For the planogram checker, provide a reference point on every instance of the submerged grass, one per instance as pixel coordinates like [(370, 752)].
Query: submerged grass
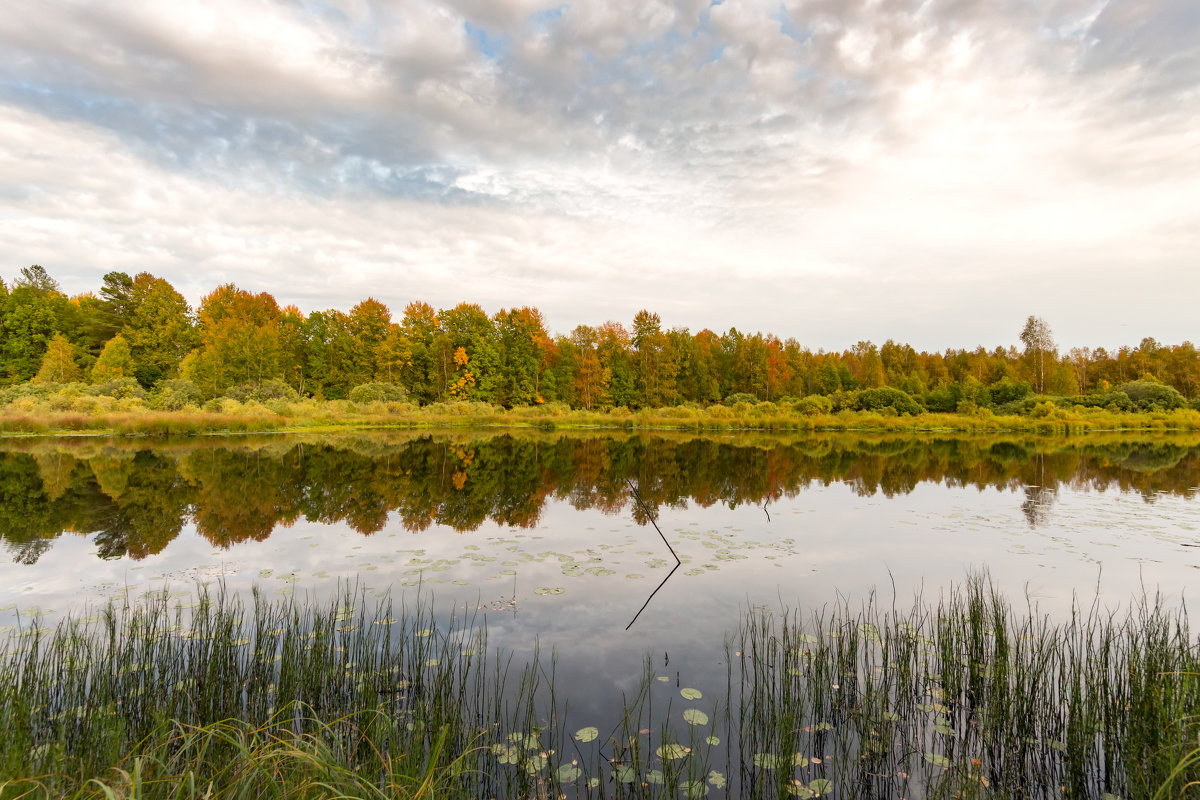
[(965, 697)]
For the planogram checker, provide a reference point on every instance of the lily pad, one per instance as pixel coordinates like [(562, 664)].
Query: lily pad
[(937, 759), (716, 779), (625, 774), (545, 590), (712, 740), (693, 789), (586, 734), (568, 773), (694, 716), (690, 694), (820, 786), (671, 752)]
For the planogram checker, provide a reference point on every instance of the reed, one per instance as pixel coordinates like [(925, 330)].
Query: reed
[(960, 697)]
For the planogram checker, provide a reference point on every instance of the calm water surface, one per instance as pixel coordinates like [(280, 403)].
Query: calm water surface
[(538, 533)]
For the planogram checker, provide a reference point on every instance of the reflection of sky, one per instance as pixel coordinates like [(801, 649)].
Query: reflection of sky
[(825, 543)]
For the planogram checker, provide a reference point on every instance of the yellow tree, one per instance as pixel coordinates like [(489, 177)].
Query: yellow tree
[(115, 361), (58, 365)]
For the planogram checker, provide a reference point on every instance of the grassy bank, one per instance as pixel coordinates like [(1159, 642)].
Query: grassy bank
[(963, 697), (133, 416)]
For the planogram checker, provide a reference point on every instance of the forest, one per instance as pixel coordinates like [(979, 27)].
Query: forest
[(138, 336)]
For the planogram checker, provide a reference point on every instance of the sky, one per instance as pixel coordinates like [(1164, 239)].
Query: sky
[(829, 170)]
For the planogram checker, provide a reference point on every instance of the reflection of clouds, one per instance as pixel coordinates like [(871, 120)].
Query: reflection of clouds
[(640, 149)]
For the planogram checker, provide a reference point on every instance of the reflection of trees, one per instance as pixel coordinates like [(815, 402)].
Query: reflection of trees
[(135, 502)]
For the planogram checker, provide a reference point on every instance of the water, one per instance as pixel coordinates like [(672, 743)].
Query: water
[(538, 533)]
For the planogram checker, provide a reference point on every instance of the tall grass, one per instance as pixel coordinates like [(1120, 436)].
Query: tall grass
[(963, 697)]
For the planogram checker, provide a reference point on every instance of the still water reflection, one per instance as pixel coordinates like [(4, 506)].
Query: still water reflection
[(132, 498)]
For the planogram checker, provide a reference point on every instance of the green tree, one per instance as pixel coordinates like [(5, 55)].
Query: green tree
[(159, 328)]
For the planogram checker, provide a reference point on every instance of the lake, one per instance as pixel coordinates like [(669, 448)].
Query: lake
[(549, 538)]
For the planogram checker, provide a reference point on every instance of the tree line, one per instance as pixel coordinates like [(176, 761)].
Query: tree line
[(141, 329)]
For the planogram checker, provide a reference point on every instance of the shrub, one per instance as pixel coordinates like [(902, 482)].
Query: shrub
[(765, 409), (1152, 396), (740, 397), (1006, 390), (813, 405), (887, 397), (377, 393), (118, 388), (174, 395), (261, 392)]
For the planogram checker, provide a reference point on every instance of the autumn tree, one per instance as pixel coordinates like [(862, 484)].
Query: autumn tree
[(58, 364), (115, 361), (240, 340)]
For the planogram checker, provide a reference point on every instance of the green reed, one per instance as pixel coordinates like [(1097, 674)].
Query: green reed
[(968, 698), (964, 697)]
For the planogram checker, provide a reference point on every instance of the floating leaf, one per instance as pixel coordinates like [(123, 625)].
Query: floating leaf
[(625, 774), (535, 763), (713, 740), (800, 760), (568, 773), (670, 752), (937, 760), (807, 638), (693, 789), (798, 789), (593, 783), (654, 776), (823, 726), (690, 694), (694, 716), (586, 734), (943, 729), (821, 786), (716, 779), (766, 760), (545, 590)]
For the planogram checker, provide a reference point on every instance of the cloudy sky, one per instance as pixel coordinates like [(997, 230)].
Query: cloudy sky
[(831, 170)]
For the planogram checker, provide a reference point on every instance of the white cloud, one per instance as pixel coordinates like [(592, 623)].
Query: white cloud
[(826, 169)]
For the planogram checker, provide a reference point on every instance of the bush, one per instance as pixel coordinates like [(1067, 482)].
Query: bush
[(1006, 391), (174, 395), (764, 409), (942, 400), (813, 405), (261, 392), (739, 397), (887, 397), (377, 393), (118, 388), (1152, 396)]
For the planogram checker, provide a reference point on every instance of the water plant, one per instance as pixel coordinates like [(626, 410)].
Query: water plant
[(960, 697)]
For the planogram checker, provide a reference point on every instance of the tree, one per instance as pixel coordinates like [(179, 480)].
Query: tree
[(115, 361), (1038, 340), (58, 365), (240, 337), (159, 328), (36, 277)]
